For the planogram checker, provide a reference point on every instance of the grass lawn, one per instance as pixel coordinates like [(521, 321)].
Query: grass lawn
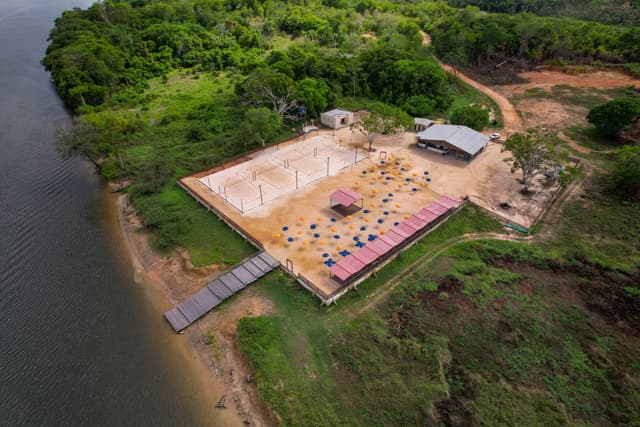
[(490, 332), (466, 95), (172, 212), (177, 126)]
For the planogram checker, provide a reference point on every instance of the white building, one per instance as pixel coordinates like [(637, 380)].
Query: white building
[(337, 118)]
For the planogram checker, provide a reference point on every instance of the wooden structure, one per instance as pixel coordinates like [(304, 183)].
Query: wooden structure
[(212, 295)]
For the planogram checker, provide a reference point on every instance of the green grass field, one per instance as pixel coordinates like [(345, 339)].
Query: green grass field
[(489, 332)]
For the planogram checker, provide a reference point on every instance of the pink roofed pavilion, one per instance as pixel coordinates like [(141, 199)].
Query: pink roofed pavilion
[(346, 201)]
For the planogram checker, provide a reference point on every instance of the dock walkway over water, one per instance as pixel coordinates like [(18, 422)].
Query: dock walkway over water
[(212, 295)]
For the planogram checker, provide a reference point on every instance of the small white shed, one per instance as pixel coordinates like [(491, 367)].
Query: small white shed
[(337, 118)]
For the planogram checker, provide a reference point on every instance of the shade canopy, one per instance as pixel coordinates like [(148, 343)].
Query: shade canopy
[(345, 197)]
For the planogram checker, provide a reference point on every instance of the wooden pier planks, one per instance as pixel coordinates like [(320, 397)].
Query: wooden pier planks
[(212, 295)]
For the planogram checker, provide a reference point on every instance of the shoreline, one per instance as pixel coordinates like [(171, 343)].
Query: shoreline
[(212, 340)]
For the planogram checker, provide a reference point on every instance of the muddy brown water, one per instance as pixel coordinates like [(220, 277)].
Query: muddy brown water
[(81, 343)]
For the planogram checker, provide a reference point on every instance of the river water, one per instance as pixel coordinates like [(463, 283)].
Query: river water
[(80, 342)]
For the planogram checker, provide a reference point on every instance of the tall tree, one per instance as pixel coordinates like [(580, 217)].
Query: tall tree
[(475, 117), (531, 153), (270, 89), (260, 125), (612, 117), (382, 119)]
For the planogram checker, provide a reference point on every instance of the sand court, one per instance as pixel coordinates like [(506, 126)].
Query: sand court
[(277, 171), (279, 198)]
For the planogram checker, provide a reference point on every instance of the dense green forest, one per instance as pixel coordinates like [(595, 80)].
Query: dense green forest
[(160, 85), (474, 333), (623, 12), (115, 47)]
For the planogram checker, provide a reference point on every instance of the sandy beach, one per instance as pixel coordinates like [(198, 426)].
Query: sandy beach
[(211, 342)]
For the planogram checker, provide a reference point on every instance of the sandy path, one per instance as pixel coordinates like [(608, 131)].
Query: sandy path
[(379, 294), (510, 116)]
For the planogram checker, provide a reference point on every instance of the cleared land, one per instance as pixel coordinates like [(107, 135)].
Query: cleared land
[(296, 227)]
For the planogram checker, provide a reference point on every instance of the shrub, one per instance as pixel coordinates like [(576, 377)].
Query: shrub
[(474, 117)]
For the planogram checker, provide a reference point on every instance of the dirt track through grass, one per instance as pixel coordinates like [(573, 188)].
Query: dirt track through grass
[(380, 293)]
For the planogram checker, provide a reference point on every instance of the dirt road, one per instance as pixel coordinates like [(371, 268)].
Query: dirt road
[(512, 121)]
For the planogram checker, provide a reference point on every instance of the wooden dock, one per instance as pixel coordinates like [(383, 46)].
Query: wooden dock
[(212, 295)]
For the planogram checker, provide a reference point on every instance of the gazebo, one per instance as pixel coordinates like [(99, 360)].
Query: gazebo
[(345, 201)]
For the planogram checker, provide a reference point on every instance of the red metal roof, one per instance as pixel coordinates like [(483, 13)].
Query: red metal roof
[(395, 236), (388, 240), (405, 230), (339, 272), (437, 208), (426, 215), (449, 202), (346, 196), (416, 222), (366, 255), (351, 264), (379, 246)]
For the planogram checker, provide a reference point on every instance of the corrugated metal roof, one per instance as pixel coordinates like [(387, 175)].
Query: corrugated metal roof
[(426, 215), (423, 122), (379, 246), (461, 137), (366, 255), (449, 202), (339, 272)]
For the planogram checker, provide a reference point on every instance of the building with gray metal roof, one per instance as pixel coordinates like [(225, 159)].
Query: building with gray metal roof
[(459, 140), (421, 124)]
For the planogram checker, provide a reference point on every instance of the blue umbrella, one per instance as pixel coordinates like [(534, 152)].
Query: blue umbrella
[(285, 228), (356, 238), (385, 213), (290, 239), (380, 220), (316, 235), (313, 226), (372, 237), (395, 224), (414, 189), (336, 236), (366, 211), (363, 228), (325, 255), (359, 244), (428, 179), (390, 194), (332, 219)]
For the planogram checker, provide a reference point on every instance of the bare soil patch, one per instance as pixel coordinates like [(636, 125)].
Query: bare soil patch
[(544, 110), (178, 279)]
